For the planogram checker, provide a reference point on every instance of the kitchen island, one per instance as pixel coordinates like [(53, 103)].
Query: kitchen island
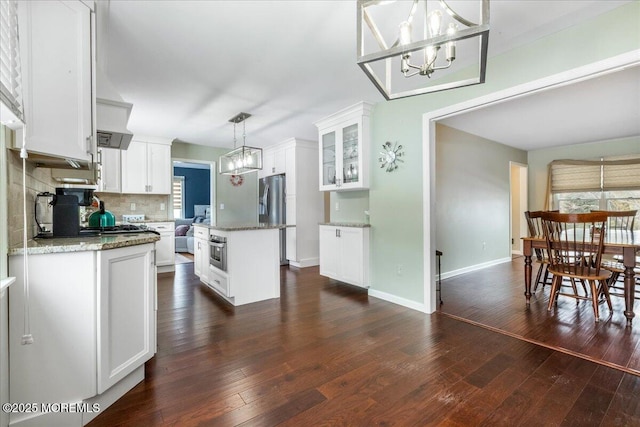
[(91, 314), (251, 268)]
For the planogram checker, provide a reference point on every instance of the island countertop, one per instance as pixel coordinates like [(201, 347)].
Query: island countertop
[(85, 243)]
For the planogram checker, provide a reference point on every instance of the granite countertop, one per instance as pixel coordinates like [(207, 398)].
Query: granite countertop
[(79, 244), (347, 224), (244, 227)]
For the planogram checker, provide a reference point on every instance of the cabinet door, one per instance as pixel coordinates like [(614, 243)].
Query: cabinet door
[(165, 248), (328, 174), (57, 73), (197, 257), (206, 251), (329, 253), (351, 255), (159, 168), (126, 320), (110, 171), (134, 168), (350, 155)]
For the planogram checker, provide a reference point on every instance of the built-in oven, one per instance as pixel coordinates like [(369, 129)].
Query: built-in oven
[(218, 252)]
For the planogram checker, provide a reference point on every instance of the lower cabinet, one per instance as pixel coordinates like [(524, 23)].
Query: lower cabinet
[(344, 254), (126, 313), (166, 246), (93, 321), (201, 253)]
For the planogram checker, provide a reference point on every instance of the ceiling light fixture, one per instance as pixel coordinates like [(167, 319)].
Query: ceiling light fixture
[(423, 48), (243, 159)]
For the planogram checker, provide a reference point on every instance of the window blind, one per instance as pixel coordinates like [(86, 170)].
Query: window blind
[(10, 74), (569, 176), (178, 195)]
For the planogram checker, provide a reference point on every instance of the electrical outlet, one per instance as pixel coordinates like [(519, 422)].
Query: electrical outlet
[(133, 218), (221, 206), (337, 206), (133, 206), (399, 270), (161, 206), (484, 246)]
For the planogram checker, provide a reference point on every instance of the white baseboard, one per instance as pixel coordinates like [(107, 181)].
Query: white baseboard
[(166, 268), (308, 262), (472, 268), (397, 300), (515, 252)]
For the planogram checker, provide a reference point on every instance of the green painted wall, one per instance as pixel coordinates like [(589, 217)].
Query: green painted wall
[(395, 199), (240, 202), (473, 198), (351, 204)]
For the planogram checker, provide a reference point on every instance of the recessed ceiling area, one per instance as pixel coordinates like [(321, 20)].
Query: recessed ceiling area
[(601, 108)]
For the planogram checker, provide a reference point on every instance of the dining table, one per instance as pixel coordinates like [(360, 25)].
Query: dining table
[(625, 244)]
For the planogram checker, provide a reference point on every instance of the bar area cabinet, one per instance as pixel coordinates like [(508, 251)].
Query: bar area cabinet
[(344, 140)]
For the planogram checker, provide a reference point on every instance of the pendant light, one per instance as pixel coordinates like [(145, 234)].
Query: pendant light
[(243, 159)]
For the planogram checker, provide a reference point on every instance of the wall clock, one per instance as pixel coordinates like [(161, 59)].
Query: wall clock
[(390, 156), (236, 180)]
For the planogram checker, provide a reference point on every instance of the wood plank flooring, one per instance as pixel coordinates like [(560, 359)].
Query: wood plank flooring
[(326, 354), (494, 297)]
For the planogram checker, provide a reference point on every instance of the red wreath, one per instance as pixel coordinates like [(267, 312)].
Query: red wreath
[(236, 180)]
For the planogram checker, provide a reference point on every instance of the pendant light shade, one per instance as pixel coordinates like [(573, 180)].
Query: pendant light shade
[(243, 159)]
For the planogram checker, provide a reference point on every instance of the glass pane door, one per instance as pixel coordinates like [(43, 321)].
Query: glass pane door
[(329, 158), (350, 154)]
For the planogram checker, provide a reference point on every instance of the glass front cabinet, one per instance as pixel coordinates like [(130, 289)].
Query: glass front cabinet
[(344, 149)]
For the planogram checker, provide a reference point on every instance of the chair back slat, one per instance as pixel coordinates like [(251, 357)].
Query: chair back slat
[(620, 220), (575, 241)]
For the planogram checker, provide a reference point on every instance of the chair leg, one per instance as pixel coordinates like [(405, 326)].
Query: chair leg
[(535, 288), (604, 288), (575, 288), (594, 299), (553, 295), (545, 279)]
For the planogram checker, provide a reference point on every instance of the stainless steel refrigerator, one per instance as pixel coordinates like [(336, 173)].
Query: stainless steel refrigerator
[(272, 207)]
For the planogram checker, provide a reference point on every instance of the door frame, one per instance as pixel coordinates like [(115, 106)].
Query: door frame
[(523, 193), (212, 182)]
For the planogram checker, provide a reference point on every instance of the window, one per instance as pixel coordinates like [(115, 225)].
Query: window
[(178, 196), (606, 184), (10, 75)]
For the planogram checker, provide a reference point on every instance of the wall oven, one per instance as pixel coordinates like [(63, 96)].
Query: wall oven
[(218, 252)]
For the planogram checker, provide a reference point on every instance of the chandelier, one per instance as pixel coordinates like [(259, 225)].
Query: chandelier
[(407, 48), (243, 159)]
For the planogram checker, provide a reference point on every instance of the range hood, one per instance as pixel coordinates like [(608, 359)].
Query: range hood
[(111, 123)]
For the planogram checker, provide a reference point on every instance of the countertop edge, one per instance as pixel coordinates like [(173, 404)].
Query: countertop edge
[(244, 227), (346, 224), (55, 246)]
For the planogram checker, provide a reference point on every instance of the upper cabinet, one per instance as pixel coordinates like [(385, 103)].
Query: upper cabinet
[(56, 47), (273, 161), (110, 181), (344, 139), (146, 166)]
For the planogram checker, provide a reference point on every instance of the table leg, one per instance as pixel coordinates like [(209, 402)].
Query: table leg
[(629, 261), (527, 270)]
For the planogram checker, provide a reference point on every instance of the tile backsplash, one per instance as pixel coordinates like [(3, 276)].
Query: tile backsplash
[(149, 205), (39, 180)]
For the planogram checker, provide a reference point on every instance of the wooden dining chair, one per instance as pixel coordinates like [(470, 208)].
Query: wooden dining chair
[(617, 222), (575, 242), (534, 224)]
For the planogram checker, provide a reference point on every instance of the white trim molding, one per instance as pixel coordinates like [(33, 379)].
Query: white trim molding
[(398, 300)]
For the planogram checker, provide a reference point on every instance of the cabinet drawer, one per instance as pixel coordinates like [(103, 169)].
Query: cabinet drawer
[(219, 282), (201, 232)]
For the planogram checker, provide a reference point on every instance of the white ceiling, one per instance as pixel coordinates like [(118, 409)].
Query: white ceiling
[(189, 66)]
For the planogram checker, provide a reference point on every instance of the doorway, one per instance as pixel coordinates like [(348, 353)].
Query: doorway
[(519, 195), (194, 191)]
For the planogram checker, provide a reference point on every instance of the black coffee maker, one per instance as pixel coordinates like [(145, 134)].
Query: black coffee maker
[(66, 216)]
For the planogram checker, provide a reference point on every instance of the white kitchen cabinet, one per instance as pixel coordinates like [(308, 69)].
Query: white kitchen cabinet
[(166, 246), (273, 161), (201, 252), (126, 314), (56, 39), (344, 140), (92, 319), (110, 174), (146, 167), (344, 254)]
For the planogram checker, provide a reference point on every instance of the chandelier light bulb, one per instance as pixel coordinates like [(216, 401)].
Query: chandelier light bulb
[(431, 52), (450, 47), (405, 33), (435, 21)]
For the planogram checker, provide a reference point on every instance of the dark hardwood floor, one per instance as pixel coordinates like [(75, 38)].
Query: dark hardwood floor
[(494, 297), (326, 354)]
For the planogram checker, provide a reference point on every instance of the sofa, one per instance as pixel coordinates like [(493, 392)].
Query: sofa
[(184, 232)]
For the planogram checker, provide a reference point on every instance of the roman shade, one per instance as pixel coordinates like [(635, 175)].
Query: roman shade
[(10, 75), (566, 176)]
